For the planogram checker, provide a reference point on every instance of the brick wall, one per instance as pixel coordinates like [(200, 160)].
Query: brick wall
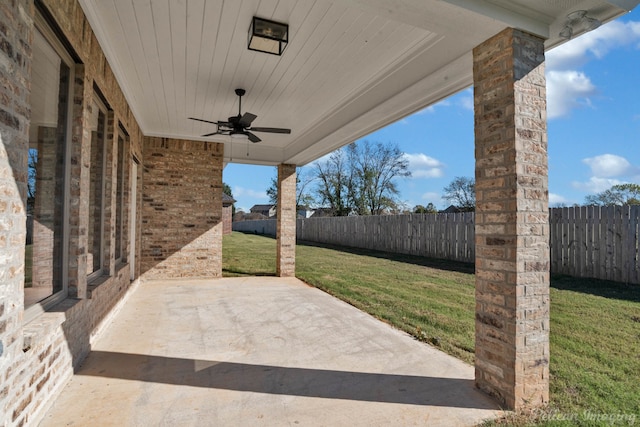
[(15, 69), (37, 357), (182, 209)]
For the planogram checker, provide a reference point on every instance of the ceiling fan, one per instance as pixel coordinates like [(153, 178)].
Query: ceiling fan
[(240, 126)]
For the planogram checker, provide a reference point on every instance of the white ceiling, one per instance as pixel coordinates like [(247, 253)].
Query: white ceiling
[(351, 66)]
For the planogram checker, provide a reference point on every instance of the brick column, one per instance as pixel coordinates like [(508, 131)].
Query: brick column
[(512, 227), (286, 232)]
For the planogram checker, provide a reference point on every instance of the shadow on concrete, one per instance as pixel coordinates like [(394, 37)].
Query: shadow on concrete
[(329, 384), (440, 264), (601, 288), (238, 272)]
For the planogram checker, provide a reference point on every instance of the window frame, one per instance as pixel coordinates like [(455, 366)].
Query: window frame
[(122, 165), (102, 107), (54, 41)]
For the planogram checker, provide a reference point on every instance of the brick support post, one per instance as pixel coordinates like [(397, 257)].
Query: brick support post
[(512, 227), (286, 232)]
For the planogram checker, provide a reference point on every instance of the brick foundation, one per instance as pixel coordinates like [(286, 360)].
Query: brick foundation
[(286, 221), (512, 231)]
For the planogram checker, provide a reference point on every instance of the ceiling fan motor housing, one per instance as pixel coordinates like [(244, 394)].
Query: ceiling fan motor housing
[(240, 125)]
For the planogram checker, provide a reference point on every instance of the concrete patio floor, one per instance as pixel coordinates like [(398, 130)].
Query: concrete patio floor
[(261, 351)]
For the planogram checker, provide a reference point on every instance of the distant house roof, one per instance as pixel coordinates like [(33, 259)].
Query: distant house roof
[(261, 208), (451, 209), (320, 212), (227, 199)]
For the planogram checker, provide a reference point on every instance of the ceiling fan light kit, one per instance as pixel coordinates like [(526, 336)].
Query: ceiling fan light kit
[(268, 36), (238, 135), (239, 127)]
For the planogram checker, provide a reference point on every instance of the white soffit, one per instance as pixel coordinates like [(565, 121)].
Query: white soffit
[(351, 66)]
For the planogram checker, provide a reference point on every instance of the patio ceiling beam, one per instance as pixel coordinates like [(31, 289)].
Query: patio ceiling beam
[(468, 15)]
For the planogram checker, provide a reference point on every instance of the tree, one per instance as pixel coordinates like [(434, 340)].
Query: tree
[(461, 193), (430, 208), (303, 180), (335, 183), (226, 189), (360, 178), (620, 194), (376, 166)]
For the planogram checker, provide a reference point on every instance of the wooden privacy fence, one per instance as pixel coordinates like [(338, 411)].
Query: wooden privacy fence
[(596, 241), (590, 241), (446, 236)]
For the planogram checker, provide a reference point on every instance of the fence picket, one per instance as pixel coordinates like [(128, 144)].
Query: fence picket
[(581, 240), (601, 242), (617, 243), (589, 259)]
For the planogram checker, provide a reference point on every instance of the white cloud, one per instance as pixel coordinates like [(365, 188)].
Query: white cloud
[(427, 110), (423, 166), (556, 199), (596, 184), (596, 43), (567, 90), (432, 108), (609, 165), (247, 192), (607, 170), (466, 102)]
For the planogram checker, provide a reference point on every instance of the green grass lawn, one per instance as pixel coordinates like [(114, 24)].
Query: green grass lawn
[(595, 325)]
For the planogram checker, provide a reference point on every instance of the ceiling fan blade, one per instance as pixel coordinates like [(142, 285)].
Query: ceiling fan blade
[(252, 137), (270, 130), (212, 133), (203, 120), (246, 119)]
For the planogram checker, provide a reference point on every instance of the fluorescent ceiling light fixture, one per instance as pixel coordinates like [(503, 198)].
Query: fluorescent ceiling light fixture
[(268, 36)]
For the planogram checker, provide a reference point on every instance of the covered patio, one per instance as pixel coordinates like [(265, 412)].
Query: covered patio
[(262, 351), (117, 118)]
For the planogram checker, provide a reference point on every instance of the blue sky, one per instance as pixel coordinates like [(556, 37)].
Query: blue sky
[(593, 107)]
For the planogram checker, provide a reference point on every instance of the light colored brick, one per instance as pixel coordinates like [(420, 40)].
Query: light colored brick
[(286, 221), (512, 283), (182, 218)]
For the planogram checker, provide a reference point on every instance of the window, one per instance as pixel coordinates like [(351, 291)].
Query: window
[(95, 243), (120, 201), (47, 189)]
